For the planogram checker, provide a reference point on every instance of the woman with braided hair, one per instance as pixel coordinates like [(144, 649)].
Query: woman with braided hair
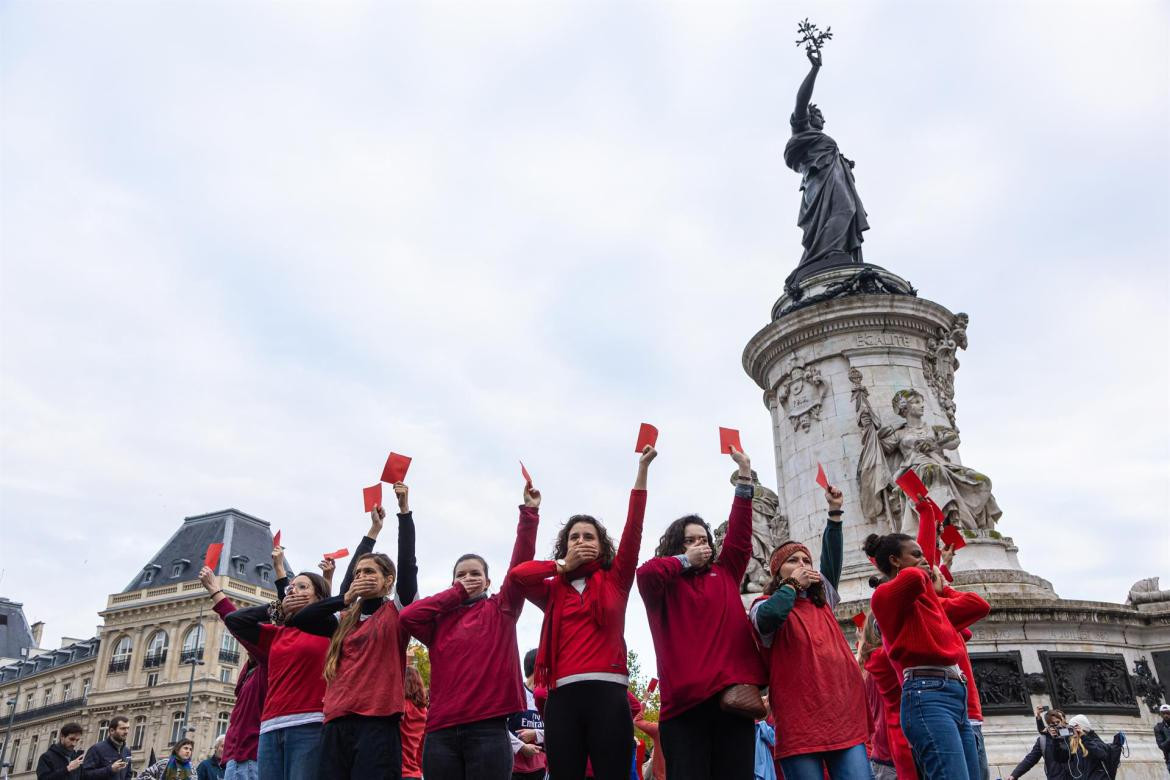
[(815, 684)]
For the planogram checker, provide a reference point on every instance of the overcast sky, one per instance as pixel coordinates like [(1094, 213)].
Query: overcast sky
[(249, 248)]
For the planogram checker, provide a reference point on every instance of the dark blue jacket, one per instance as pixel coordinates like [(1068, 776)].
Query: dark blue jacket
[(99, 759)]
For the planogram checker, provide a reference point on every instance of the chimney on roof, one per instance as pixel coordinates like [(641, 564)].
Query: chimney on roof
[(37, 629)]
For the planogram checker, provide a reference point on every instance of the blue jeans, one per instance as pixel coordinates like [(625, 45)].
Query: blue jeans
[(469, 751), (848, 764), (934, 720), (242, 770), (984, 766), (291, 753)]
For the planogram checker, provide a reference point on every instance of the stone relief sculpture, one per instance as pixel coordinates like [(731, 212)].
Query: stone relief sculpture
[(769, 529), (963, 494), (801, 392), (940, 363)]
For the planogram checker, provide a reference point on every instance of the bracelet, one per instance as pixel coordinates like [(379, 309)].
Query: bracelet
[(836, 512), (743, 479), (790, 582), (214, 592)]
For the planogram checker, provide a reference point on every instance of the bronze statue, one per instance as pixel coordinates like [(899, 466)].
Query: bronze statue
[(831, 214)]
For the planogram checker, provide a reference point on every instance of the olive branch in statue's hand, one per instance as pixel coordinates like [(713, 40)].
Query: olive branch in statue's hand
[(813, 40)]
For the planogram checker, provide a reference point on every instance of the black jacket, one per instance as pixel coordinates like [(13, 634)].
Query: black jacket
[(1162, 736), (53, 763), (1054, 751), (100, 757)]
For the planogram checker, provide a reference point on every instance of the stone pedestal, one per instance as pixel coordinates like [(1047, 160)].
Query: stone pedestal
[(862, 332)]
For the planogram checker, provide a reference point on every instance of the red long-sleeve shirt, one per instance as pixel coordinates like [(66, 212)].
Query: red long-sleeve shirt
[(582, 646), (889, 685), (242, 739), (702, 636), (915, 627), (475, 666), (963, 610), (369, 671)]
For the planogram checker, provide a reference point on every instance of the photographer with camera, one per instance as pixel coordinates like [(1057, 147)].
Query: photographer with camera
[(1052, 746)]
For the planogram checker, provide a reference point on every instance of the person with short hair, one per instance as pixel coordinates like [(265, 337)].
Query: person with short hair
[(211, 768), (62, 761), (177, 766), (110, 758), (1050, 746), (1162, 733)]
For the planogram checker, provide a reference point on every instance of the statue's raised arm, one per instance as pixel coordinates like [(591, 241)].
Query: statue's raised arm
[(804, 94)]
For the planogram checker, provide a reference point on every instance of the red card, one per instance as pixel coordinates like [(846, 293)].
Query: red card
[(342, 553), (276, 540), (647, 435), (372, 496), (396, 466), (859, 620), (727, 438), (211, 559), (524, 473), (822, 480), (911, 485), (653, 686), (952, 538)]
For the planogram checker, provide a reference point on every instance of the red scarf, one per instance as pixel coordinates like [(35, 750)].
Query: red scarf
[(559, 589)]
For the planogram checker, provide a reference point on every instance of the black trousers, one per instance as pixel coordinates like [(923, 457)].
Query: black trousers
[(469, 751), (589, 721), (706, 743), (362, 748)]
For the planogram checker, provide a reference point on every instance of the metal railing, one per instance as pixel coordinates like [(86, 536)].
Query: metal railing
[(155, 659), (194, 654), (50, 709), (229, 656), (119, 665)]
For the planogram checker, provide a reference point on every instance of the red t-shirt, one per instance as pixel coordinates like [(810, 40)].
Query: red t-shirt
[(414, 722), (369, 671), (296, 661)]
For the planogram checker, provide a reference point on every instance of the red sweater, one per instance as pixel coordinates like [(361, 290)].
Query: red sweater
[(963, 610), (242, 739), (702, 636), (915, 628), (295, 663), (369, 671), (475, 666), (414, 720), (582, 646), (889, 686)]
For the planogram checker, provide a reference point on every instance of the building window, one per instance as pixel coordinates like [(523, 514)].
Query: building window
[(103, 730), (192, 644), (265, 576), (176, 727), (120, 660), (240, 570), (229, 649), (147, 576), (53, 736), (225, 674), (45, 702), (32, 752), (221, 724), (66, 689), (177, 570), (15, 752), (139, 733), (152, 679), (85, 687), (156, 650), (28, 701)]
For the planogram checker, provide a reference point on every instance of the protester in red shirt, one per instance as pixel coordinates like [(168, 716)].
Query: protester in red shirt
[(924, 644), (414, 721), (475, 666), (703, 641), (815, 685), (582, 653)]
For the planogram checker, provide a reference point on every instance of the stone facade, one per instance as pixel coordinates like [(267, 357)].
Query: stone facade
[(139, 665)]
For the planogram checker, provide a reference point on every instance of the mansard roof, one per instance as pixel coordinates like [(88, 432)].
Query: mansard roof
[(50, 659), (247, 549), (16, 637)]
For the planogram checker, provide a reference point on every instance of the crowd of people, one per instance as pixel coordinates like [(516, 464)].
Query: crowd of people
[(327, 690)]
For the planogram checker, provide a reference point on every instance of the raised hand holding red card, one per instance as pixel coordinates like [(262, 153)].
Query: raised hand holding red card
[(647, 437), (276, 540), (372, 496), (211, 559), (524, 473), (396, 467), (822, 478), (912, 486), (952, 538), (728, 438)]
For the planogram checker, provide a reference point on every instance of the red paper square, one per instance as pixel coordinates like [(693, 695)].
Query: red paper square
[(727, 438), (276, 540), (372, 496), (953, 538), (653, 686), (822, 479), (524, 473), (211, 559), (396, 466), (859, 620), (911, 485), (343, 552), (647, 435)]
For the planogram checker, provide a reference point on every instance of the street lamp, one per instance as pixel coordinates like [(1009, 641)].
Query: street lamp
[(191, 682), (4, 767)]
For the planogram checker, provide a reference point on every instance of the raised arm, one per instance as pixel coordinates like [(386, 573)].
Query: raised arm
[(318, 618), (833, 539), (524, 548), (420, 617), (365, 546), (626, 561), (278, 568), (244, 624), (737, 546), (531, 579), (929, 516), (406, 585), (804, 94)]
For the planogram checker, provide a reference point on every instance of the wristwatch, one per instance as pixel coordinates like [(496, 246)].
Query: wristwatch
[(561, 565)]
